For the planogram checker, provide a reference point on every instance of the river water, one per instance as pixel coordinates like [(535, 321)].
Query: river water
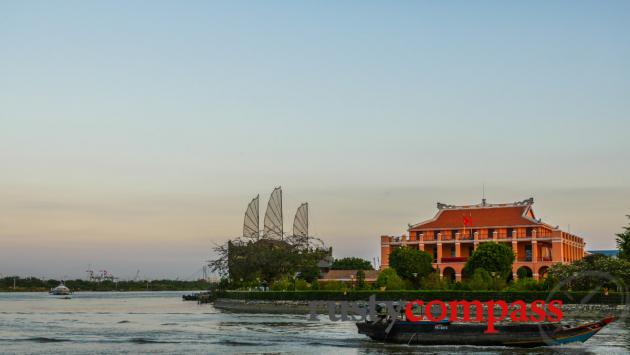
[(160, 322)]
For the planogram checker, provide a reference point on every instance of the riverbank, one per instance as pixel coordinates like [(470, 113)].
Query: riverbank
[(38, 290), (31, 284)]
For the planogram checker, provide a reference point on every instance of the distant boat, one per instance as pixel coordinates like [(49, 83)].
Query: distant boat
[(61, 290)]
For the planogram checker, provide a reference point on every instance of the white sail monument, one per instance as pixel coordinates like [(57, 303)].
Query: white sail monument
[(273, 225)]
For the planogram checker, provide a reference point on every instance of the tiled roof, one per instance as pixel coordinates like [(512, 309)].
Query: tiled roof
[(348, 275), (480, 216)]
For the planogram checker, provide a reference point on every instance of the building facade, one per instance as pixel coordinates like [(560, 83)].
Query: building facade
[(456, 231)]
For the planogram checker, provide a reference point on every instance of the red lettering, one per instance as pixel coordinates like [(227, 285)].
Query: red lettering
[(517, 311), (538, 309), (409, 310), (429, 314), (555, 310), (520, 313), (491, 319), (466, 308)]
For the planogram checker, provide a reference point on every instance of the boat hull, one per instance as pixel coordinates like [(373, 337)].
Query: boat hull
[(517, 335)]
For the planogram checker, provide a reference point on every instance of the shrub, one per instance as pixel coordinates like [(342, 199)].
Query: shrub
[(389, 279), (527, 284), (360, 277), (433, 281), (522, 273), (281, 285), (480, 280), (483, 280), (301, 285), (332, 286)]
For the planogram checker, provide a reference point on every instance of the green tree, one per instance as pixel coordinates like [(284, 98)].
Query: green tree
[(360, 277), (623, 242), (389, 279), (411, 264), (247, 261), (309, 272), (494, 258), (351, 263), (581, 275)]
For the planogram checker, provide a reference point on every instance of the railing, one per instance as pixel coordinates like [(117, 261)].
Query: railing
[(529, 260), (455, 259)]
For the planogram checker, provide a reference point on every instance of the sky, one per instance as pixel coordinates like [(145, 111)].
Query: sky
[(133, 134)]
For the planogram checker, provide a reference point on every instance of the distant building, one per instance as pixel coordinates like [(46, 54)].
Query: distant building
[(456, 231), (325, 263), (613, 253)]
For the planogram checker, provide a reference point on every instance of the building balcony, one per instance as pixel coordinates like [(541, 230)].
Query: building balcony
[(529, 260), (455, 259)]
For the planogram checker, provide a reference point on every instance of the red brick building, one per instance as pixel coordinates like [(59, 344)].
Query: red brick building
[(456, 231)]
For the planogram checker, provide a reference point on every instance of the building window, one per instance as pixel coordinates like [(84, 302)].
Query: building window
[(490, 233), (509, 232), (528, 232), (528, 252)]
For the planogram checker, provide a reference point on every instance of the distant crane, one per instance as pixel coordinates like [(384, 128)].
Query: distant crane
[(105, 275), (90, 273), (137, 277)]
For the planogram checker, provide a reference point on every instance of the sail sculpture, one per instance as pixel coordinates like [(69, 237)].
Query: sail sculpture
[(273, 225), (300, 223), (251, 228)]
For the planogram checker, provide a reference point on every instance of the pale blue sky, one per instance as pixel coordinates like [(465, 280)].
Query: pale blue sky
[(133, 134)]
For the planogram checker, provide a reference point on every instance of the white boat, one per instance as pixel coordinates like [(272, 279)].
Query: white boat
[(61, 290)]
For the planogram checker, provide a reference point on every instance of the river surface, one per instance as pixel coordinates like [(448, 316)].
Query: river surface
[(160, 322)]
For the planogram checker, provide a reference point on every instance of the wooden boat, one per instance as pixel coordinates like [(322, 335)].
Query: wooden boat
[(447, 333)]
